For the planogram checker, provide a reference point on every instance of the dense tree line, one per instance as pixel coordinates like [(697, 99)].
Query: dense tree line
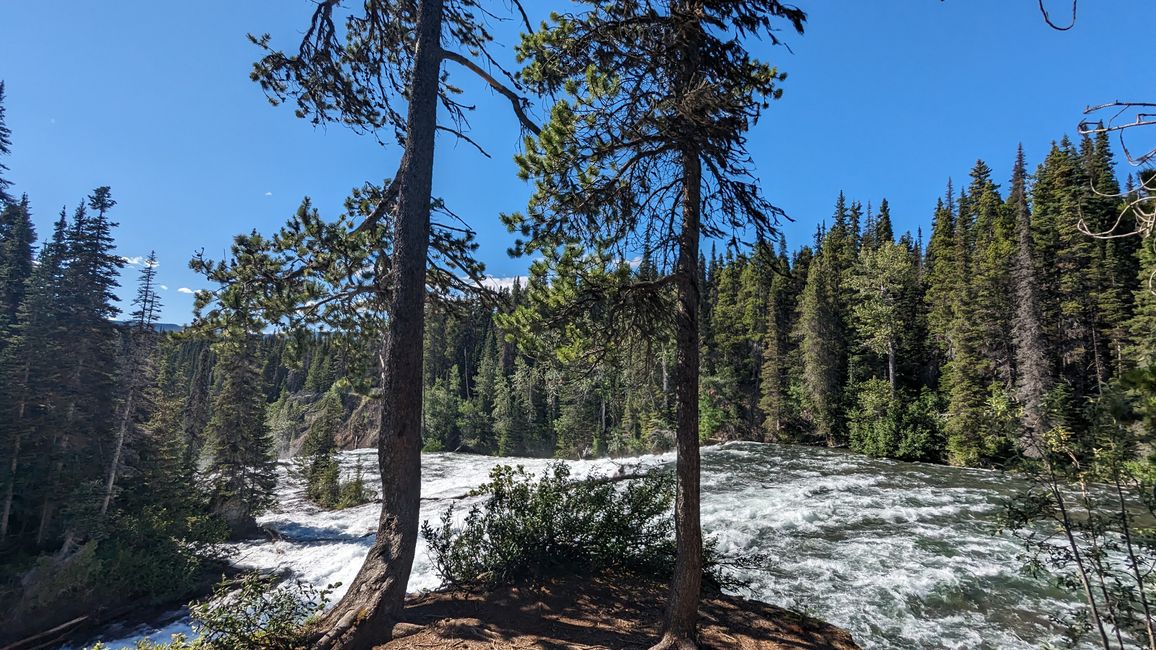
[(120, 466), (1008, 320)]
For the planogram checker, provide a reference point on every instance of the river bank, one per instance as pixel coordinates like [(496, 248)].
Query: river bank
[(599, 613)]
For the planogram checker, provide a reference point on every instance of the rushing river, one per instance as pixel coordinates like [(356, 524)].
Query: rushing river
[(903, 555)]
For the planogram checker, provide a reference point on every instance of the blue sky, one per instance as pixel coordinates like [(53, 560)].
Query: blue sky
[(884, 99)]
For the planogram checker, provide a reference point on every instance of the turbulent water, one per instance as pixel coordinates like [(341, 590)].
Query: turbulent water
[(903, 555)]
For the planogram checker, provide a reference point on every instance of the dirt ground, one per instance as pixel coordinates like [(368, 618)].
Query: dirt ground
[(600, 613)]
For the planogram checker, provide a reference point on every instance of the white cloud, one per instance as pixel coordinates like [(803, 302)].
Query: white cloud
[(138, 260), (185, 290), (268, 194), (164, 287), (503, 283)]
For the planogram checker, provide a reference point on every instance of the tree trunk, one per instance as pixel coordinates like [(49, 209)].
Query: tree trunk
[(682, 610), (17, 440), (121, 433), (362, 618), (891, 365), (685, 585)]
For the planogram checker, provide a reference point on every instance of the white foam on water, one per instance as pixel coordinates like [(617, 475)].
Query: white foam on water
[(903, 555)]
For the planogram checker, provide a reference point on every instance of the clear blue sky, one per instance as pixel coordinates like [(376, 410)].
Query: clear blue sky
[(885, 98)]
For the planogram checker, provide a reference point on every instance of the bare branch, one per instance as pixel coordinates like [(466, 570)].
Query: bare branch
[(516, 101), (1053, 25)]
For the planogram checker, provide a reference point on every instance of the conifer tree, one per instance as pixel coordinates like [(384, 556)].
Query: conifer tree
[(1142, 348), (1034, 375), (375, 67), (241, 469), (607, 170), (989, 309), (1066, 259), (822, 348), (883, 229), (17, 238), (137, 370), (944, 279), (89, 379), (5, 150), (317, 459), (883, 284), (773, 384), (31, 369)]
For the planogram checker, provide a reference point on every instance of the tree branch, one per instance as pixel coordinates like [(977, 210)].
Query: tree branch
[(516, 101)]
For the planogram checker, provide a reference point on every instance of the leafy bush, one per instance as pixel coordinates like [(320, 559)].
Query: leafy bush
[(530, 528), (355, 492), (894, 426), (253, 612)]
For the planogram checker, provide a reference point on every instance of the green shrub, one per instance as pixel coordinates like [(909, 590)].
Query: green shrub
[(355, 492), (529, 528), (894, 426)]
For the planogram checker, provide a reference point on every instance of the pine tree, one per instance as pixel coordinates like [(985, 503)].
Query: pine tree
[(5, 149), (773, 401), (241, 469), (822, 347), (32, 367), (348, 70), (137, 371), (701, 75), (17, 238), (1034, 375)]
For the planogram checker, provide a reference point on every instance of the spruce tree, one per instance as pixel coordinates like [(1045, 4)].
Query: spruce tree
[(241, 471), (5, 150), (137, 372), (32, 367), (773, 383), (89, 378), (1034, 375), (17, 238), (317, 458), (819, 331), (1142, 324), (944, 280)]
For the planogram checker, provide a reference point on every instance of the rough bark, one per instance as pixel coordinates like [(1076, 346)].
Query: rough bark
[(682, 610), (362, 618), (686, 584), (891, 378), (1033, 377)]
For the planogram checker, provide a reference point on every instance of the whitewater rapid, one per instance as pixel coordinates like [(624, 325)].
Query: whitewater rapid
[(902, 555)]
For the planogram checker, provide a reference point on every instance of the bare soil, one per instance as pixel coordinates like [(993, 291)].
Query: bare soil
[(598, 613)]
